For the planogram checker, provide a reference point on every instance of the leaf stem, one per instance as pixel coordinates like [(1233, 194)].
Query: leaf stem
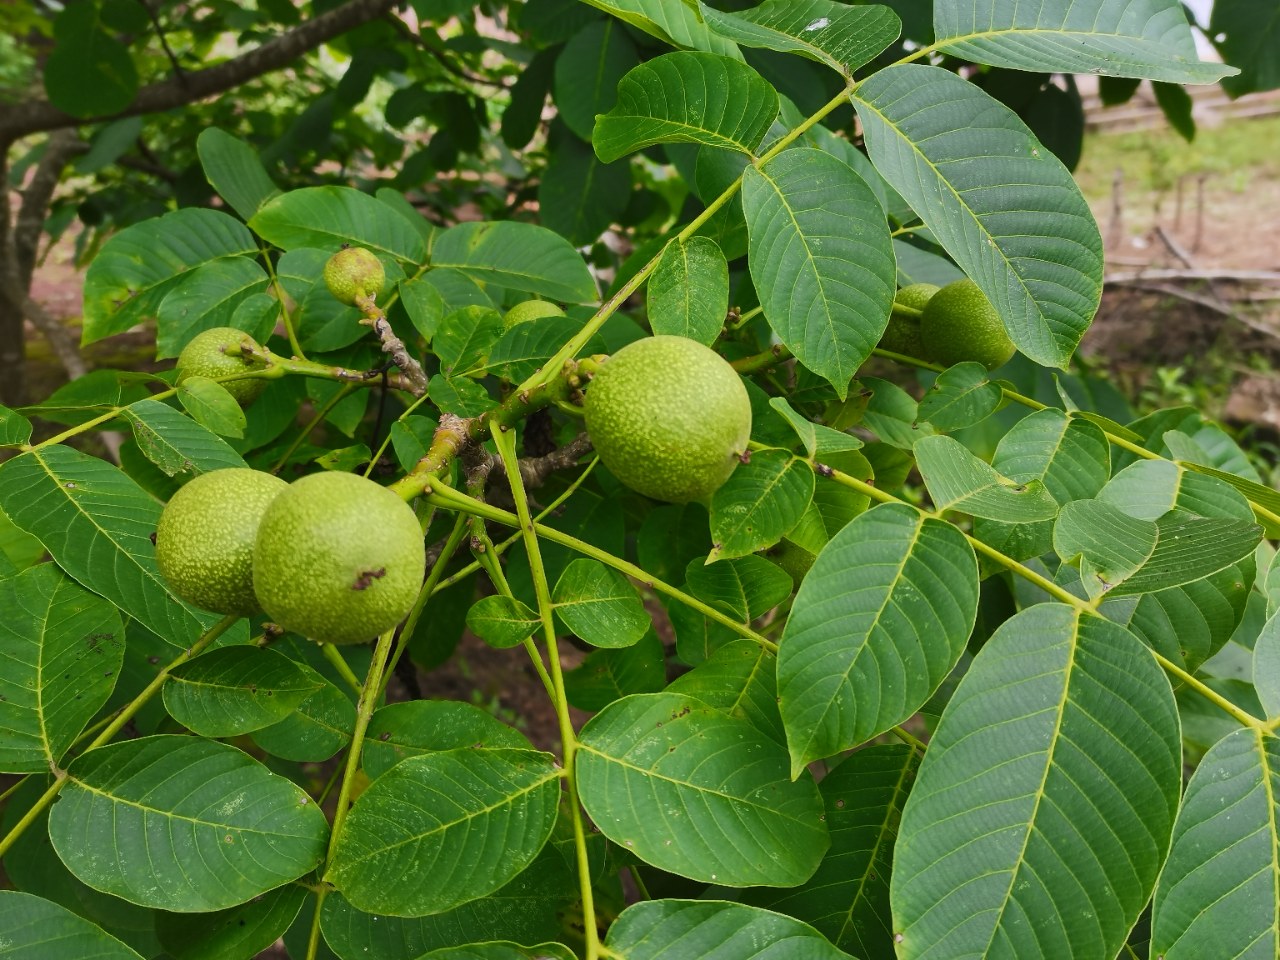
[(455, 500), (487, 557), (424, 594), (340, 664), (502, 546), (610, 306), (505, 440), (283, 299), (909, 739), (368, 700), (116, 725), (338, 396)]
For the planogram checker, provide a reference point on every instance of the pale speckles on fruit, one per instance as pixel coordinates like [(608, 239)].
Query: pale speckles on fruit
[(216, 353), (338, 558), (960, 324), (669, 417), (902, 335), (205, 537), (354, 272)]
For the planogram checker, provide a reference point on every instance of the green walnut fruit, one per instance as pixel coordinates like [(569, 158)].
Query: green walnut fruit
[(354, 272), (216, 353), (902, 335), (205, 538), (530, 310), (338, 558), (669, 417), (960, 324)]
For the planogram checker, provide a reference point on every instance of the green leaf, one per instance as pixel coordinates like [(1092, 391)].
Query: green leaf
[(1188, 624), (1217, 894), (464, 338), (522, 349), (401, 730), (1056, 768), (1069, 455), (500, 950), (1148, 39), (688, 294), (579, 197), (238, 933), (1149, 489), (424, 305), (97, 525), (526, 910), (35, 929), (847, 900), (687, 98), (749, 587), (1189, 548), (713, 930), (609, 675), (330, 216), (88, 73), (218, 828), (844, 38), (957, 480), (236, 690), (1247, 34), (137, 268), (502, 622), (960, 397), (517, 256), (740, 679), (451, 826), (1005, 208), (1255, 492), (877, 625), (1175, 104), (177, 444), (671, 537), (821, 260), (523, 115), (759, 504), (458, 395), (206, 297), (315, 731), (679, 24), (15, 429), (1108, 546), (587, 73), (1266, 666), (599, 605), (234, 169), (893, 414), (61, 648), (212, 406), (695, 792)]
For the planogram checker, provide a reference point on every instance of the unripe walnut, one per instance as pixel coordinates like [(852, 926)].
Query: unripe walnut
[(352, 273)]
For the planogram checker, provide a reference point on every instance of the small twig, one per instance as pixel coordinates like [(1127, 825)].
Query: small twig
[(179, 74), (1208, 273), (393, 346), (418, 40), (534, 471)]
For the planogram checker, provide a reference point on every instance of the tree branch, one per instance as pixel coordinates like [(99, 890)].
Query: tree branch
[(60, 148), (33, 116)]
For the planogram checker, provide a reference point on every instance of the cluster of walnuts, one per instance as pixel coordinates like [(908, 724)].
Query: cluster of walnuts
[(339, 558)]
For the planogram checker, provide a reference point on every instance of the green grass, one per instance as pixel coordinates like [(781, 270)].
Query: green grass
[(1236, 153)]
